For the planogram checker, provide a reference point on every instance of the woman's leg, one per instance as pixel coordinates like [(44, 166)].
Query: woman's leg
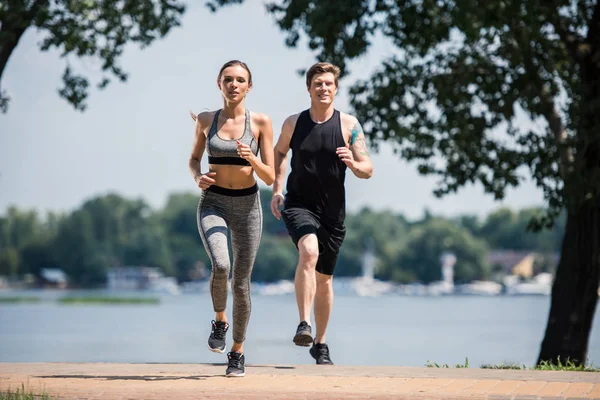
[(213, 228), (246, 231)]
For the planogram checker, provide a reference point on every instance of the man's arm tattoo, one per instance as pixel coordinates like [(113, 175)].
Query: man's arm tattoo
[(361, 146), (356, 130), (358, 139)]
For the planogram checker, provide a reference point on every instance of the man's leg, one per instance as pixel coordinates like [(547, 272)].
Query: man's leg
[(303, 227), (332, 240), (305, 284), (323, 304)]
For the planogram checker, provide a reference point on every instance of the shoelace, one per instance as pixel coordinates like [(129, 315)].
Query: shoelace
[(302, 327), (322, 351), (219, 329), (235, 359)]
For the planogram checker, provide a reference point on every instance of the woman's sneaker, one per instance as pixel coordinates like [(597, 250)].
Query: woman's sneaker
[(236, 364), (216, 340)]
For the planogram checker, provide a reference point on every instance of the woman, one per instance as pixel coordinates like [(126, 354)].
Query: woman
[(230, 201)]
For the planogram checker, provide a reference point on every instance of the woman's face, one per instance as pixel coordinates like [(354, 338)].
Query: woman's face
[(234, 83)]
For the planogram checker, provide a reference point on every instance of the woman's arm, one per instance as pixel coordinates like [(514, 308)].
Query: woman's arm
[(263, 166), (202, 180)]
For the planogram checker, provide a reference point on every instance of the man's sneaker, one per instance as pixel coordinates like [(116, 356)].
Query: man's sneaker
[(236, 364), (303, 335), (216, 340), (320, 352)]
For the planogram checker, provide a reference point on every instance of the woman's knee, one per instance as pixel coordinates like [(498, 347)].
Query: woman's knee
[(240, 287), (221, 268)]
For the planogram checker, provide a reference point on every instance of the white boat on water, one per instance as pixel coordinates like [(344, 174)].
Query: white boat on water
[(479, 288), (540, 285), (196, 287), (274, 289)]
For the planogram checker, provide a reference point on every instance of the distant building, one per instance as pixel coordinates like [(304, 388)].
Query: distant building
[(520, 262)]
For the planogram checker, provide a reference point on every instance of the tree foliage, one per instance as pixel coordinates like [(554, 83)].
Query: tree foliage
[(458, 74), (95, 30)]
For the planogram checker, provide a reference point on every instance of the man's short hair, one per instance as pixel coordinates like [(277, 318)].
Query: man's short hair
[(322, 68)]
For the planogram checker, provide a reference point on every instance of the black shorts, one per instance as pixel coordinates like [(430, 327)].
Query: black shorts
[(301, 222)]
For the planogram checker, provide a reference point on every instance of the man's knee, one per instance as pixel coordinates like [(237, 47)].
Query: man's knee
[(308, 248), (324, 284)]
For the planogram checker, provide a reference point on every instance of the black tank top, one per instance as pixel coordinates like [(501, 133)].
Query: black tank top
[(317, 176)]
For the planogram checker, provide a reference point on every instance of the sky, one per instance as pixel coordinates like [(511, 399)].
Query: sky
[(135, 138)]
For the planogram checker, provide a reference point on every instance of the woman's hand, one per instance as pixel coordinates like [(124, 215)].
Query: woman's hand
[(245, 152), (205, 180)]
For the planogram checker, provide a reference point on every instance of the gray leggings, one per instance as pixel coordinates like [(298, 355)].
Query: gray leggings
[(238, 211)]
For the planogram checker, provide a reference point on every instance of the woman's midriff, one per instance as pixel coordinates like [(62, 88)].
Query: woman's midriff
[(233, 176)]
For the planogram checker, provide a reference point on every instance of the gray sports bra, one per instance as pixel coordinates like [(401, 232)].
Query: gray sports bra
[(224, 151)]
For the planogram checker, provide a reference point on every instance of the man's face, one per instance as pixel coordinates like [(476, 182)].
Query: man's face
[(323, 88)]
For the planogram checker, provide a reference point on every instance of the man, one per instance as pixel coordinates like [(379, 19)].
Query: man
[(324, 142)]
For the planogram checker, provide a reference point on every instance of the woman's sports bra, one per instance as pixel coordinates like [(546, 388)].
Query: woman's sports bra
[(224, 151)]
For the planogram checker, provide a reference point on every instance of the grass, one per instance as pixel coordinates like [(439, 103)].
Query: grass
[(567, 366), (22, 394), (431, 364), (108, 300), (19, 299), (504, 366), (544, 366)]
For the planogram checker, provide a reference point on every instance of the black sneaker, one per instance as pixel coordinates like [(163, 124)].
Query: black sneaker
[(216, 340), (303, 335), (235, 365), (320, 352)]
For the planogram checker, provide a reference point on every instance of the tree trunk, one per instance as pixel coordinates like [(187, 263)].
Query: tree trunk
[(15, 21), (9, 38), (575, 289)]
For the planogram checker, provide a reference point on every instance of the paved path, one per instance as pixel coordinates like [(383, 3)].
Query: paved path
[(269, 382)]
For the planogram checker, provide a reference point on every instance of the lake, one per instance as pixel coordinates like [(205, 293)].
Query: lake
[(386, 331)]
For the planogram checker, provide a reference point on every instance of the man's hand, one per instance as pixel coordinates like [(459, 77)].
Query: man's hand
[(205, 180), (346, 156), (276, 203)]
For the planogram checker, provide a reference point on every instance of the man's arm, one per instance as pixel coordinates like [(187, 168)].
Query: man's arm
[(281, 156), (282, 147), (359, 162)]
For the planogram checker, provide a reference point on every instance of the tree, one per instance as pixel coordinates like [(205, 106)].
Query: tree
[(427, 242), (459, 75), (385, 231), (506, 229), (9, 262), (179, 220), (78, 253), (37, 255), (85, 28)]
